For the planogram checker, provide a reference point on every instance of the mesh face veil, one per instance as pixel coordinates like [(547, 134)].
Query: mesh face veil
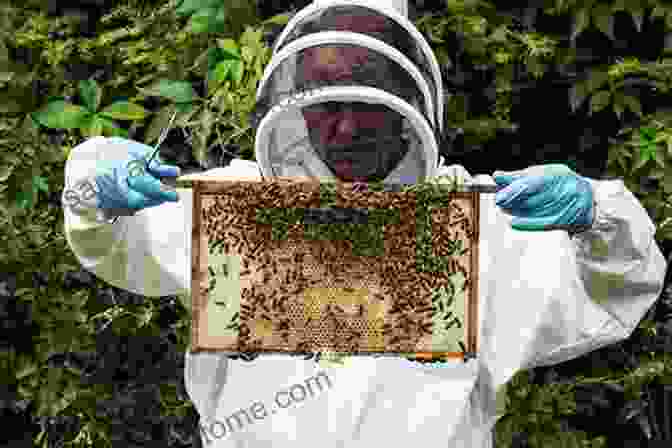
[(348, 94)]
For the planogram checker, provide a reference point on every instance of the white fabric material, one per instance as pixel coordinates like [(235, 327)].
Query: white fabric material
[(554, 298)]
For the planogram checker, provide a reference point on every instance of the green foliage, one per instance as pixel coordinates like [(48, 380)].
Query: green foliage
[(26, 199), (58, 114), (647, 151), (234, 68), (216, 16), (487, 37), (177, 91), (535, 411)]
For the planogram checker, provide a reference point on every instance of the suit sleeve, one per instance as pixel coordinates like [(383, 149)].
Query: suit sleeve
[(565, 296), (96, 241), (146, 253), (619, 267)]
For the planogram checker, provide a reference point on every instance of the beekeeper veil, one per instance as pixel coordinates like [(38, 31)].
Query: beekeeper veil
[(352, 92)]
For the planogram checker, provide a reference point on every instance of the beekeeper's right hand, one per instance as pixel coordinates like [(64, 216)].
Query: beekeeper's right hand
[(125, 187)]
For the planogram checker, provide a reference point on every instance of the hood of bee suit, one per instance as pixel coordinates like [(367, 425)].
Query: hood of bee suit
[(353, 93)]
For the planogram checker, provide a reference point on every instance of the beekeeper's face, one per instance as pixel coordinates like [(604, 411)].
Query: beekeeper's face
[(356, 140)]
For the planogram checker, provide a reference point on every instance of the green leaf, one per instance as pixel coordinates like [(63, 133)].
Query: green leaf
[(212, 82), (61, 115), (599, 101), (646, 153), (220, 18), (25, 198), (251, 37), (633, 104), (40, 184), (90, 94), (581, 20), (248, 54), (647, 134), (215, 56), (229, 48), (204, 20), (223, 69), (177, 91), (604, 20), (237, 72), (86, 123), (184, 108), (111, 129), (278, 19), (123, 110), (95, 127), (189, 7)]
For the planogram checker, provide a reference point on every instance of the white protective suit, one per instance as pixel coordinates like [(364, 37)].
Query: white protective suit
[(545, 298)]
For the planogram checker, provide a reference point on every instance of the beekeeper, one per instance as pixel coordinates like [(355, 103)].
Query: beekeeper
[(353, 92)]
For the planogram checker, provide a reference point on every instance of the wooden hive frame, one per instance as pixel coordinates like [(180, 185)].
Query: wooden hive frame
[(270, 338)]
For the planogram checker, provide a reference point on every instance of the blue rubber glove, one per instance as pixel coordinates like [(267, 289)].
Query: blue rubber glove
[(546, 197), (125, 187)]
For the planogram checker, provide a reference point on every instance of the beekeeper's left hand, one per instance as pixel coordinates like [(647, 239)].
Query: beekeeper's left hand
[(545, 197)]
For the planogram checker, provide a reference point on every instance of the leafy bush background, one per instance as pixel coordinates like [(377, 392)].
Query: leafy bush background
[(86, 364)]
